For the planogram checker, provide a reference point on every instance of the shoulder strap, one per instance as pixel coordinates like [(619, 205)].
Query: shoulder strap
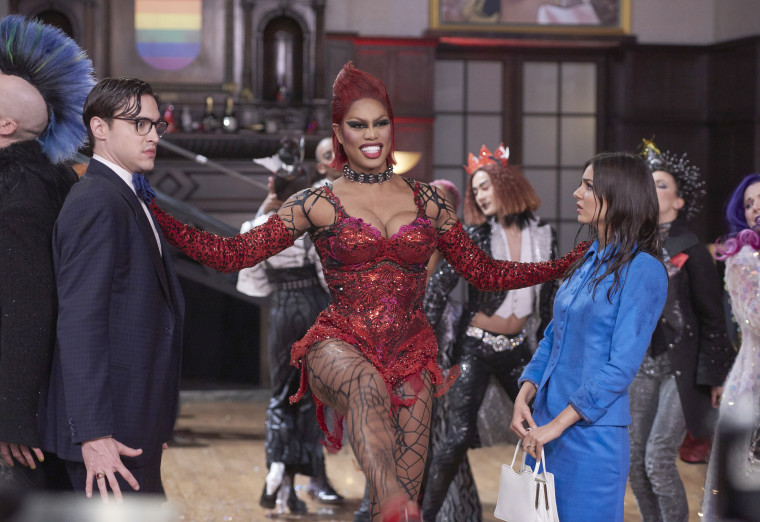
[(334, 199), (418, 199)]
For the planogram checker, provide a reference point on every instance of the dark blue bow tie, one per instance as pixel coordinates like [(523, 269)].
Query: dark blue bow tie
[(142, 188)]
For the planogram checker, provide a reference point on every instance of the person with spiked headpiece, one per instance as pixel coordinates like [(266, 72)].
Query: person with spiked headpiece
[(498, 331), (678, 386), (44, 79)]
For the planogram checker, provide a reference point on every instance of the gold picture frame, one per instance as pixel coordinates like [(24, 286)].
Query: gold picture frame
[(601, 17)]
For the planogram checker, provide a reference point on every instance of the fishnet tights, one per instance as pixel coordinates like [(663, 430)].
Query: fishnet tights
[(390, 443)]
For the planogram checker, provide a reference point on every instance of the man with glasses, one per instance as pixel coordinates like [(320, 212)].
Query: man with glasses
[(114, 388)]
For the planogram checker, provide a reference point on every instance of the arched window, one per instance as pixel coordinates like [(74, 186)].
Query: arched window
[(283, 61)]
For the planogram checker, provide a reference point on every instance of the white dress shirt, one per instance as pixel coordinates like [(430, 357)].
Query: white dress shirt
[(125, 175)]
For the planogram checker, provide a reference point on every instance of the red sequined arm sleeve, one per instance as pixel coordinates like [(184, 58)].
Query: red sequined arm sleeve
[(226, 254), (488, 274)]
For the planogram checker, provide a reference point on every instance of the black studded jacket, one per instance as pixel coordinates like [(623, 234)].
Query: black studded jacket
[(692, 328)]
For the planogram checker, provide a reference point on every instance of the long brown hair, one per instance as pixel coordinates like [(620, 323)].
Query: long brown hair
[(624, 182)]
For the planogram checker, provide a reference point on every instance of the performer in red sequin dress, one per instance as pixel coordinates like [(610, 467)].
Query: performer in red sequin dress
[(371, 355)]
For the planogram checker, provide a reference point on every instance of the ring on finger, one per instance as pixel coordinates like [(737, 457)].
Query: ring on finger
[(99, 475)]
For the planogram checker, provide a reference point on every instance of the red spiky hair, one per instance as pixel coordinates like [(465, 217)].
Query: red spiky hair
[(350, 85)]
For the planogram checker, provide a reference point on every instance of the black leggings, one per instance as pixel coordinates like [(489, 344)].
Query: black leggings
[(478, 362)]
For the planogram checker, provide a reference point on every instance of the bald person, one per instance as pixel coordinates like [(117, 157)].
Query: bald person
[(33, 185), (23, 112)]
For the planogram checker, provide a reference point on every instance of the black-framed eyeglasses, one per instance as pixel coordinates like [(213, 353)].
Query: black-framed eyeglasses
[(144, 125)]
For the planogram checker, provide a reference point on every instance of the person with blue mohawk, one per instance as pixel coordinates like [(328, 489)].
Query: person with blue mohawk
[(44, 79)]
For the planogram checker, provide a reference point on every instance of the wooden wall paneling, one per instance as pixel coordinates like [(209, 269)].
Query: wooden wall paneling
[(658, 82), (733, 80), (734, 123), (662, 92), (380, 62), (512, 102), (603, 68), (733, 148), (339, 49), (413, 85), (406, 68)]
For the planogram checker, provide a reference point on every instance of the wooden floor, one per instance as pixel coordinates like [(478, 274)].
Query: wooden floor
[(215, 467)]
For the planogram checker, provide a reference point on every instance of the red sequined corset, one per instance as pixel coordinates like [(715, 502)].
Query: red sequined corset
[(377, 285)]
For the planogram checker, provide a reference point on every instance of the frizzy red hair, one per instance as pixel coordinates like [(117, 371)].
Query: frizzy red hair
[(351, 85), (512, 189)]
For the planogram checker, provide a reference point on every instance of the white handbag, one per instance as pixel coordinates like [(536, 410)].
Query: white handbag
[(526, 495)]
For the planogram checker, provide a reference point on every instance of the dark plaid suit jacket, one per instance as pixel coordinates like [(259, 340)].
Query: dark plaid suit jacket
[(117, 358)]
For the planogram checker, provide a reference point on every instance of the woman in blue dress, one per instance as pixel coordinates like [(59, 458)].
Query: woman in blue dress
[(604, 316)]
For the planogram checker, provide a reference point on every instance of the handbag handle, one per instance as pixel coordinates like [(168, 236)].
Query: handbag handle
[(518, 447)]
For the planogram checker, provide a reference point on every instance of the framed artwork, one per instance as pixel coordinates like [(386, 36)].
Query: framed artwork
[(537, 16), (172, 41)]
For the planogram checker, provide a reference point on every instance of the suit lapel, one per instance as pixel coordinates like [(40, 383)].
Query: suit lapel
[(178, 302), (130, 197)]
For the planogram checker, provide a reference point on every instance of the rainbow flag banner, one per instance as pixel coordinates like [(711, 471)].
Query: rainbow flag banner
[(168, 32)]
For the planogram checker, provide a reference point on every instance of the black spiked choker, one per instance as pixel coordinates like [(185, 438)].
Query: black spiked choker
[(351, 175)]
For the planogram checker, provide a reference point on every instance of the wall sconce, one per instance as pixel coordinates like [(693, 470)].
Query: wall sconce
[(405, 161)]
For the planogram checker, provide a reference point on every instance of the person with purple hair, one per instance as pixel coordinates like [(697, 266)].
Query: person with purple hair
[(44, 80), (741, 391)]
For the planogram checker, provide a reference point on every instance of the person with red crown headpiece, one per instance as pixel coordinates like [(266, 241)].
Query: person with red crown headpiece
[(371, 355), (498, 331)]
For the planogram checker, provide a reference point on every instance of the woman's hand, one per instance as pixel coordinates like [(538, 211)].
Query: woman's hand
[(522, 420), (534, 440), (536, 437)]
